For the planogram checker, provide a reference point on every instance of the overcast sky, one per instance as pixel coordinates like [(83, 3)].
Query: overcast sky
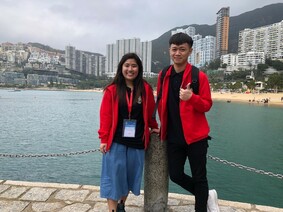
[(90, 25)]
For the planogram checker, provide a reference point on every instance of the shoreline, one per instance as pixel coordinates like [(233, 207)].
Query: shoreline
[(274, 99)]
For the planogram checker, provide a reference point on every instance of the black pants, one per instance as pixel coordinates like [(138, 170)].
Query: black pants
[(197, 183)]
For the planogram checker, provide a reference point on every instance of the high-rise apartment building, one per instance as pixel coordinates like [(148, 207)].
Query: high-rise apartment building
[(95, 64), (222, 31), (267, 39), (203, 48), (84, 62), (114, 53), (250, 59), (127, 45), (146, 55), (110, 52), (70, 56), (81, 61), (229, 59)]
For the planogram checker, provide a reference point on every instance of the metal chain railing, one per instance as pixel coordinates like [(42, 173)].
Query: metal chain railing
[(47, 155), (233, 164), (240, 166)]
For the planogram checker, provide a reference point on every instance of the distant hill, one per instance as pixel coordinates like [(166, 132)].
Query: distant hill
[(50, 49), (256, 18), (46, 48)]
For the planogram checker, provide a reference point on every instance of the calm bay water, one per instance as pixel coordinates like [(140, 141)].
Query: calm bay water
[(44, 122)]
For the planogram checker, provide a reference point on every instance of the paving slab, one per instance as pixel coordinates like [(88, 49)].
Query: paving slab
[(38, 194), (3, 188), (13, 192), (12, 206), (72, 195), (42, 206), (76, 207)]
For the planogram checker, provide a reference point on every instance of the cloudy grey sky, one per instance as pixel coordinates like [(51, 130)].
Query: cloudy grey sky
[(91, 24)]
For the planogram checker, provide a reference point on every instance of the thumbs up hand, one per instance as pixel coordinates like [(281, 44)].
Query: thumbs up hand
[(186, 94)]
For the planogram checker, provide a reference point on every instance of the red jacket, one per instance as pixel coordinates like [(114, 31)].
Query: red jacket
[(192, 112), (109, 114)]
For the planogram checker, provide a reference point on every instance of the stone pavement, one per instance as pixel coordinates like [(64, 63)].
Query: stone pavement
[(19, 196)]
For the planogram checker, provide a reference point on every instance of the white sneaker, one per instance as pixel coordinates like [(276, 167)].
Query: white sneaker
[(212, 202)]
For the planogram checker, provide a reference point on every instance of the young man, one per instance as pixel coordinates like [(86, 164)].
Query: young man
[(184, 125)]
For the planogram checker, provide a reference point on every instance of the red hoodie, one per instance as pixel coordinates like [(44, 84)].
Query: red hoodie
[(109, 114), (192, 111)]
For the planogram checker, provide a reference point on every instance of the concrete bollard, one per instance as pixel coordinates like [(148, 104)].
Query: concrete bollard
[(156, 176)]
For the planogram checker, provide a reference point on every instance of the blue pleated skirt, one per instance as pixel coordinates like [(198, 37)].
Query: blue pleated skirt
[(122, 169)]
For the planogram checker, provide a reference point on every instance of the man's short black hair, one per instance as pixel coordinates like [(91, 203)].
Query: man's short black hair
[(180, 38)]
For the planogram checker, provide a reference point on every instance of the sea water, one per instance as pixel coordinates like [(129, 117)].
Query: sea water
[(55, 122)]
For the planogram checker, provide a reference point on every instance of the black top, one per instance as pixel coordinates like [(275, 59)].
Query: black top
[(137, 114), (174, 128)]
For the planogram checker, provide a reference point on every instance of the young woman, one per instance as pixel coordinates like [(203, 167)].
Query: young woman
[(125, 126)]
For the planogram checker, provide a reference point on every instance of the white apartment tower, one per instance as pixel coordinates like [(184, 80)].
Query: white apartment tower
[(95, 65), (267, 39), (250, 59), (110, 51), (70, 55), (84, 62), (203, 48), (146, 55), (127, 45), (114, 53), (229, 59)]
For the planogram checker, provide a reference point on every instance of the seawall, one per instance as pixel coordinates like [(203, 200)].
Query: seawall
[(21, 196)]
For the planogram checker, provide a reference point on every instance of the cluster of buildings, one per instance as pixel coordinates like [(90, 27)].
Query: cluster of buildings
[(253, 47), (27, 56), (14, 58), (46, 58), (210, 47), (205, 50), (99, 65), (114, 53), (84, 62), (12, 55), (35, 80)]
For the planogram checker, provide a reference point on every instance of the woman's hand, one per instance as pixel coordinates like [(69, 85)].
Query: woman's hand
[(103, 148), (155, 130)]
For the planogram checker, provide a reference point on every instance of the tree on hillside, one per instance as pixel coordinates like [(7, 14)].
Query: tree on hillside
[(236, 86), (214, 65), (277, 64), (262, 67), (275, 81), (251, 84), (237, 76)]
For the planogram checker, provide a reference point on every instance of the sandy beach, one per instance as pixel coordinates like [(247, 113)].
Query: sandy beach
[(273, 98)]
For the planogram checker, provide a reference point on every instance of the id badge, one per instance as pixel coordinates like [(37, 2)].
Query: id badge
[(129, 128)]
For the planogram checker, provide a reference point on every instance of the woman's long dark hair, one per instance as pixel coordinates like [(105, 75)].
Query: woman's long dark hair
[(119, 79)]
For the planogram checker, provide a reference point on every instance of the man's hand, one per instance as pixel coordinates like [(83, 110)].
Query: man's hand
[(186, 94)]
